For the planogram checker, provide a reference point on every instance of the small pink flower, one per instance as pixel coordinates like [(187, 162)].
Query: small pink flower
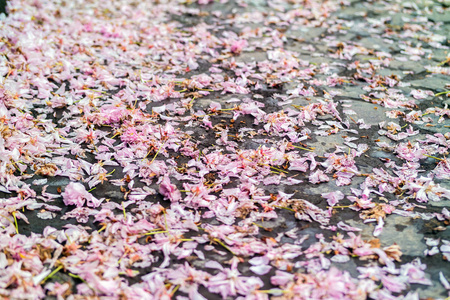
[(130, 135), (318, 176), (421, 94), (333, 197), (237, 46), (76, 194), (169, 190), (198, 195)]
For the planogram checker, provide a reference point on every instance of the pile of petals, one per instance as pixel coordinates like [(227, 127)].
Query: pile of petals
[(145, 155)]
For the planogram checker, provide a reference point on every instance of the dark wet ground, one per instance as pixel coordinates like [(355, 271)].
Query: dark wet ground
[(408, 232)]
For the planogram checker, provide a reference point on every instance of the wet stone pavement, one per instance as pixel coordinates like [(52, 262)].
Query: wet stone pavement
[(225, 149)]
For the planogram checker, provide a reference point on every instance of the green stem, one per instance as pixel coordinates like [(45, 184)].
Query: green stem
[(84, 281), (7, 219), (279, 170), (340, 206), (156, 229), (97, 91), (287, 208), (51, 274), (101, 229), (272, 291), (303, 148), (124, 212), (175, 290), (156, 232), (257, 225), (157, 152), (443, 62), (434, 157), (442, 93), (15, 222), (223, 245)]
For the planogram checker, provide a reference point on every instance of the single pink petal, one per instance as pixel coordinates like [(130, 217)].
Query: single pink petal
[(261, 269), (333, 197)]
